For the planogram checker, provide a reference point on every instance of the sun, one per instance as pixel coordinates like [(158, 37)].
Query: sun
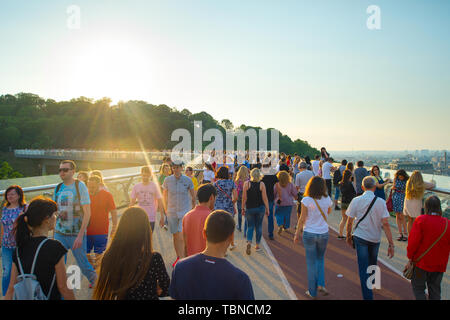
[(111, 68)]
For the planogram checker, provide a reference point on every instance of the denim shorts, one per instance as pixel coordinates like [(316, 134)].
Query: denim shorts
[(97, 242), (175, 224)]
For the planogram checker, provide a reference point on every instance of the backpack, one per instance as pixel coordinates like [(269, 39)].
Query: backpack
[(337, 177), (28, 287)]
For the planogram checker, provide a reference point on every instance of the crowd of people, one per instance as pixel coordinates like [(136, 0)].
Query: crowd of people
[(200, 213)]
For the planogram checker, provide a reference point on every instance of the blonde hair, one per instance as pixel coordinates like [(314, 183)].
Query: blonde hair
[(256, 175), (415, 187), (242, 174), (284, 178)]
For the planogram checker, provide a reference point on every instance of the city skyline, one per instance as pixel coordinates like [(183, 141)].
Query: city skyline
[(313, 71)]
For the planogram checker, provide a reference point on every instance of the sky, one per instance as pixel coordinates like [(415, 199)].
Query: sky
[(312, 69)]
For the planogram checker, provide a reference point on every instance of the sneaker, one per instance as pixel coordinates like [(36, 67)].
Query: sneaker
[(249, 248), (173, 264), (341, 237), (309, 295), (232, 247), (165, 227), (258, 249), (323, 291)]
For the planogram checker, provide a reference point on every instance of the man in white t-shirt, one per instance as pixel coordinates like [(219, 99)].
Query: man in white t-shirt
[(367, 233), (327, 168), (315, 165)]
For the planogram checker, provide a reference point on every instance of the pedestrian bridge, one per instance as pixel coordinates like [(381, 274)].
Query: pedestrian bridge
[(279, 271)]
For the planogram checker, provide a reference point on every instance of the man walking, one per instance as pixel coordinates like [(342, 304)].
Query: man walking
[(179, 198), (372, 215), (102, 205), (194, 220), (208, 275), (73, 201)]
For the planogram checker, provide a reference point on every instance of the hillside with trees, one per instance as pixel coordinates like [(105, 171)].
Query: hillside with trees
[(29, 121)]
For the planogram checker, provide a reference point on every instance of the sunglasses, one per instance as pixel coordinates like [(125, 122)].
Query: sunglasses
[(64, 169)]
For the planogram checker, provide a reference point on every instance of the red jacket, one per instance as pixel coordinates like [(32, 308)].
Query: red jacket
[(425, 231)]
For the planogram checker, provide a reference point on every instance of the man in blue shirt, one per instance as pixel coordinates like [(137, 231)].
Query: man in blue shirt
[(179, 199), (73, 217), (208, 275)]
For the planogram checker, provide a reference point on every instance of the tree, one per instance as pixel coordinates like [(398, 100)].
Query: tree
[(7, 172), (227, 124)]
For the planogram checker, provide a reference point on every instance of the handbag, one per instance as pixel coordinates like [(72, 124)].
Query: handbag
[(389, 202), (408, 271), (360, 220)]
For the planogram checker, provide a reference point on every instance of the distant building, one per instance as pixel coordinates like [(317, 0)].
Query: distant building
[(424, 167)]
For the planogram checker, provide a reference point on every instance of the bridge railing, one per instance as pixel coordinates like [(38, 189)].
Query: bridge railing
[(119, 186)]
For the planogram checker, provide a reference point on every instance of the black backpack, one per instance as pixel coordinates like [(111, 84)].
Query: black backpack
[(337, 177)]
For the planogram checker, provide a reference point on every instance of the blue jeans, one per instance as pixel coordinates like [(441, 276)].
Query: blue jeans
[(254, 219), (337, 194), (7, 254), (79, 255), (367, 253), (315, 246), (283, 216), (270, 220)]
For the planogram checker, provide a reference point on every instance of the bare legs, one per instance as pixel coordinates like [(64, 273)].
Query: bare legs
[(178, 244), (343, 222), (401, 225)]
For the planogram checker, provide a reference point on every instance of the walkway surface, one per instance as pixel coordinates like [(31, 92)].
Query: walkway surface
[(278, 272)]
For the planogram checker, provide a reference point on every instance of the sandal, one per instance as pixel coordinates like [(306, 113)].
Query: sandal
[(405, 239), (400, 238)]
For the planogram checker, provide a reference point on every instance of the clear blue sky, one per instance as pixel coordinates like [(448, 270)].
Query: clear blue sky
[(309, 68)]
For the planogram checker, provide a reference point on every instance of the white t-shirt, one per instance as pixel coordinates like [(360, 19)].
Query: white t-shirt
[(315, 166), (370, 228), (208, 175), (315, 222), (302, 179), (326, 169)]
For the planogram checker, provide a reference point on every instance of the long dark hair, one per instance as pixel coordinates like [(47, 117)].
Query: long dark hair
[(126, 261), (19, 191), (401, 172), (38, 210), (346, 177)]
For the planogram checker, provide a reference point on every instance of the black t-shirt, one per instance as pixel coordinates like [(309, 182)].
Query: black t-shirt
[(284, 167), (269, 182), (51, 252)]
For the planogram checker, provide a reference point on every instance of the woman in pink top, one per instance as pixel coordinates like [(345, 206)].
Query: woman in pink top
[(285, 194)]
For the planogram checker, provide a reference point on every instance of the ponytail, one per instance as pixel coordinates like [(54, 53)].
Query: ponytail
[(39, 209), (23, 232)]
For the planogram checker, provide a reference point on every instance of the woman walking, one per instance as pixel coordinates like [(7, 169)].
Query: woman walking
[(129, 268), (32, 240), (285, 193), (208, 173), (429, 242), (241, 177), (254, 205), (226, 194), (348, 193), (415, 190), (398, 199), (14, 206), (316, 206)]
